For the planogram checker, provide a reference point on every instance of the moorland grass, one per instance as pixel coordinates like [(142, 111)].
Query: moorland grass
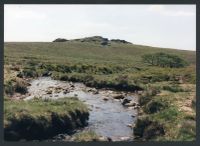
[(41, 119)]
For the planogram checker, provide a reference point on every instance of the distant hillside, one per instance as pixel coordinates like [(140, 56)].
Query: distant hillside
[(90, 49)]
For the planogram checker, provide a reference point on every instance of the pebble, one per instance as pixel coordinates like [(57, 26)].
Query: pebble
[(130, 125), (124, 138)]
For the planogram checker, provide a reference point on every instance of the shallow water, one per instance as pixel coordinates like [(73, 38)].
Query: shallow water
[(107, 118)]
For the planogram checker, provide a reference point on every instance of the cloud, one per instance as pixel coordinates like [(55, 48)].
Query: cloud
[(20, 13), (161, 9)]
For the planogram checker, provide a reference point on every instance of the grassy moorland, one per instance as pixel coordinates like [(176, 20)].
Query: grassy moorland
[(167, 103)]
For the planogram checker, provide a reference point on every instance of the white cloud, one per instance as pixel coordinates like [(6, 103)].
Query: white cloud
[(19, 13), (161, 9)]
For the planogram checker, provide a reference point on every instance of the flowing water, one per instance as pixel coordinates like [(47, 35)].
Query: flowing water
[(108, 118)]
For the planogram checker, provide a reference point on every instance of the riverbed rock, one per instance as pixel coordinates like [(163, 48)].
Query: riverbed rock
[(125, 101), (58, 88), (102, 138), (109, 92), (50, 87), (57, 91), (130, 125), (136, 107), (132, 103), (124, 138), (105, 98), (93, 90), (96, 92), (119, 96), (97, 107), (49, 92), (133, 116), (28, 84), (118, 100), (130, 107), (109, 139), (72, 85), (66, 91)]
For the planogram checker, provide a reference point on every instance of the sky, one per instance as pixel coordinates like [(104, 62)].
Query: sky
[(168, 26)]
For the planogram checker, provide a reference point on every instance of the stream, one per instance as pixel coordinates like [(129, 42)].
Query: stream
[(108, 117)]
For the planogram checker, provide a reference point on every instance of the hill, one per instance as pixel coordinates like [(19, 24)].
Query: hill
[(167, 101)]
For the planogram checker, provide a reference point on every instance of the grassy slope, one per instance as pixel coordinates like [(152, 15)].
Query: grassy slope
[(69, 52), (126, 57)]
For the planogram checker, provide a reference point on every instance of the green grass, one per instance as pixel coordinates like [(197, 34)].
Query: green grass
[(41, 119), (177, 124)]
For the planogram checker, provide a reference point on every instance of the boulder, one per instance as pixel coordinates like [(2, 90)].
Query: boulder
[(49, 91), (72, 85), (102, 138), (133, 116), (124, 138), (136, 107), (57, 91), (130, 125), (105, 98), (46, 74), (119, 96), (125, 101), (132, 103), (96, 92), (66, 91), (109, 139)]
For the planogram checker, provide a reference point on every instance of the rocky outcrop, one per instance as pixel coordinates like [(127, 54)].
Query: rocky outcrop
[(60, 40), (120, 41), (95, 39)]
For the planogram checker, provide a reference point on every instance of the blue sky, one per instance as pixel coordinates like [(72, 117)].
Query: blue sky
[(169, 26)]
